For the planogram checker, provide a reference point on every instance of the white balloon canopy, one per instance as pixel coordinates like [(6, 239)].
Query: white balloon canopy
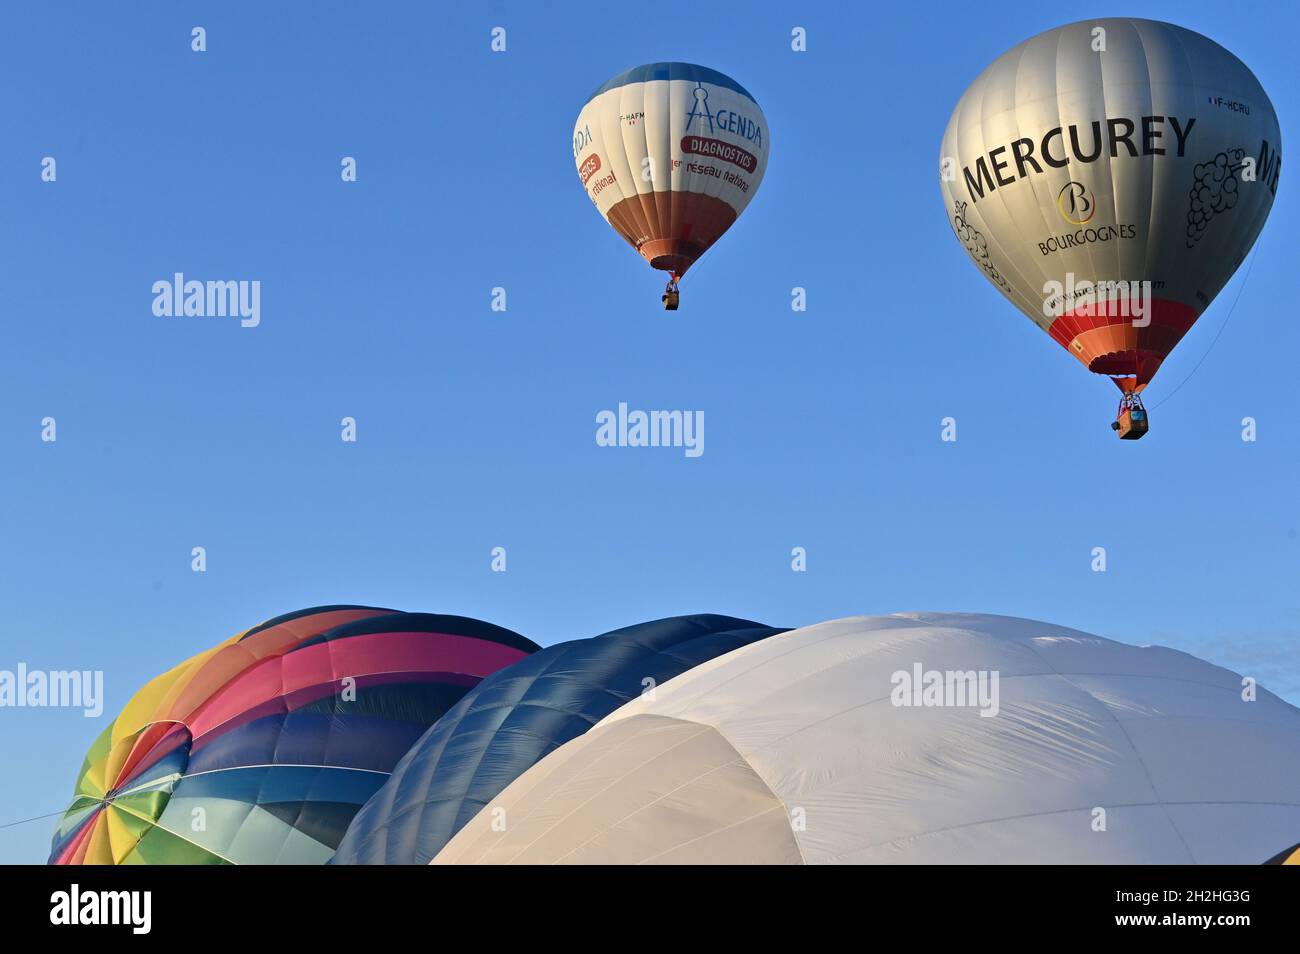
[(917, 738), (671, 154)]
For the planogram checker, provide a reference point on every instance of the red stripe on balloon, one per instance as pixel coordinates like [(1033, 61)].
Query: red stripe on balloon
[(355, 656)]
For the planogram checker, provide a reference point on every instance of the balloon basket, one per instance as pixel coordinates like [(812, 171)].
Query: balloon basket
[(1132, 422)]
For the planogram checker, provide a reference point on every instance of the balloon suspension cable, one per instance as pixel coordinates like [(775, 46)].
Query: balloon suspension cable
[(1196, 367)]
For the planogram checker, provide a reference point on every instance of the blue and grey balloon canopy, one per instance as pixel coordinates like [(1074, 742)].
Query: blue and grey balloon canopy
[(514, 718)]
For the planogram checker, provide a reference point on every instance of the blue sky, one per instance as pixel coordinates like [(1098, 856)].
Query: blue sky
[(476, 428)]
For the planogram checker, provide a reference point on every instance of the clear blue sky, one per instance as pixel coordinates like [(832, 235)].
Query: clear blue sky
[(476, 428)]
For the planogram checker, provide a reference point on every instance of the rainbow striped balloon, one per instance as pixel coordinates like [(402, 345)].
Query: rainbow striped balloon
[(261, 749)]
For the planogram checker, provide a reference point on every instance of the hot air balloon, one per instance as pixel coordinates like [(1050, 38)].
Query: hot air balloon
[(261, 749), (916, 739), (671, 153), (517, 716), (1108, 177)]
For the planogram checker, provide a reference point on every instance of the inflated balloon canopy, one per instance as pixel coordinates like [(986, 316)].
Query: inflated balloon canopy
[(920, 738), (261, 749)]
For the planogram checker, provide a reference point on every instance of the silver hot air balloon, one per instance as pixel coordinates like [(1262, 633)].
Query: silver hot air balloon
[(1108, 177)]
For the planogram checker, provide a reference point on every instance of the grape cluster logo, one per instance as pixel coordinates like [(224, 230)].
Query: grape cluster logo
[(1214, 191), (976, 245)]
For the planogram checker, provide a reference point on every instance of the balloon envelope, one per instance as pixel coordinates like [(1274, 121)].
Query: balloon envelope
[(670, 154), (514, 718), (888, 740), (1111, 151), (262, 749)]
